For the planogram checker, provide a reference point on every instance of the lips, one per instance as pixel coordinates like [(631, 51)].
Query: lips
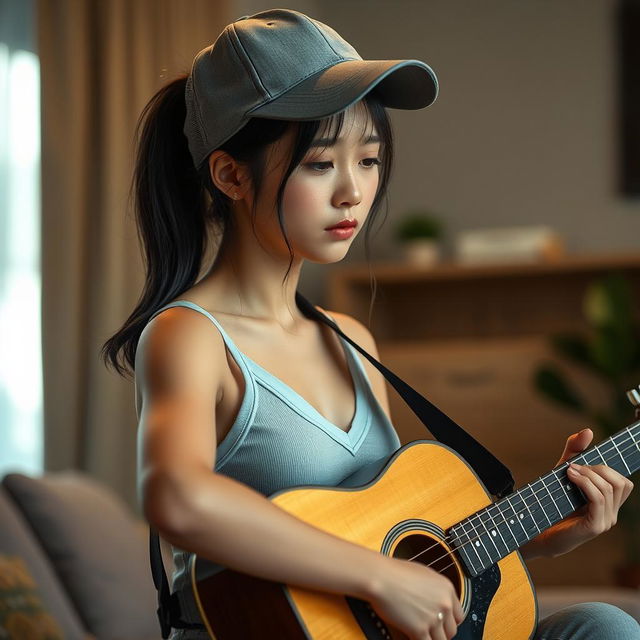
[(344, 224)]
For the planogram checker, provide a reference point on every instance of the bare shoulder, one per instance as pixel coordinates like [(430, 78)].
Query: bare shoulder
[(359, 333), (179, 347)]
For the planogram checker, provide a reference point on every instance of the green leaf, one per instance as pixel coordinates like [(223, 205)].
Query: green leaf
[(608, 302), (614, 352), (551, 383), (574, 347)]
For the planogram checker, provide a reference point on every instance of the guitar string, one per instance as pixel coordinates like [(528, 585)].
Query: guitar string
[(544, 490), (531, 508), (633, 444), (449, 553)]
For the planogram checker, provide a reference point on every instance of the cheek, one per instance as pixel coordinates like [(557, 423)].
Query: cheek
[(303, 204)]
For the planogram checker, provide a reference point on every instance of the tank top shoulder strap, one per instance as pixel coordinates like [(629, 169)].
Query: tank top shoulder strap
[(196, 307), (350, 350)]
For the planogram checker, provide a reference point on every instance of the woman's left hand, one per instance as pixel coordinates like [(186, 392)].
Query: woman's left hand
[(603, 487)]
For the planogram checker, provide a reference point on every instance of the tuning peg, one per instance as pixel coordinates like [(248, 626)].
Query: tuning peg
[(634, 396)]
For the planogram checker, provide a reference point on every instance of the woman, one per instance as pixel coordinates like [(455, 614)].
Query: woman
[(280, 133)]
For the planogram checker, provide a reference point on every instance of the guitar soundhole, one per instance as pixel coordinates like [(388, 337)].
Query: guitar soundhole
[(430, 552)]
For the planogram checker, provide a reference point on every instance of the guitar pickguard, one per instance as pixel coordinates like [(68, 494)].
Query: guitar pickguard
[(482, 587)]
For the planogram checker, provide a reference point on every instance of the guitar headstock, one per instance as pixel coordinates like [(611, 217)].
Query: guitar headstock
[(634, 399)]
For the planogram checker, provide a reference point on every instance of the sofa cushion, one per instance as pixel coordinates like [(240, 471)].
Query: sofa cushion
[(22, 614), (17, 539), (94, 542)]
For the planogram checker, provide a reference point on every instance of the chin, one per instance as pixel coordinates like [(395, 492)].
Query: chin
[(326, 257)]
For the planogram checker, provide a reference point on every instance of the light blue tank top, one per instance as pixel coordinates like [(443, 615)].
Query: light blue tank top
[(278, 440)]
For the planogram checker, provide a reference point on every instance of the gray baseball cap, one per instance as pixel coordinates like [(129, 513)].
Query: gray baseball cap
[(284, 65)]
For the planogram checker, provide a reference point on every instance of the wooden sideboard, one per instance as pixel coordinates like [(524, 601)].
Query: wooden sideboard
[(469, 338)]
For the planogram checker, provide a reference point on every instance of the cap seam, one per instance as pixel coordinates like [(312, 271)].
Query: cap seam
[(253, 72), (293, 86), (198, 114), (325, 38)]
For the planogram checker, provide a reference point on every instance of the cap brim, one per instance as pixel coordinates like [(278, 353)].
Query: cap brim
[(401, 84)]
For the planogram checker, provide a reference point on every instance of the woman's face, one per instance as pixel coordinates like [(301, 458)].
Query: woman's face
[(329, 185)]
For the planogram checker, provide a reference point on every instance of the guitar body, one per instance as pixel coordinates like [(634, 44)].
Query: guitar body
[(404, 509)]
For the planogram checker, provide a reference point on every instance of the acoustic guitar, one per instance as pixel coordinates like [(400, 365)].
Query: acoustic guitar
[(424, 504)]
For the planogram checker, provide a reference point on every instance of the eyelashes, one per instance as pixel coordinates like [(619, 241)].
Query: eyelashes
[(319, 167)]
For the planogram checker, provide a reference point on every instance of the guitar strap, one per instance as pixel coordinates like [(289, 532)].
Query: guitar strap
[(493, 473)]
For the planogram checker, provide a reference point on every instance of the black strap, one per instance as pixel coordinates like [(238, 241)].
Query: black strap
[(495, 475), (168, 605)]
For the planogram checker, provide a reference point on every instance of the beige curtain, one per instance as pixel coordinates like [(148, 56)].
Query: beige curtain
[(100, 63)]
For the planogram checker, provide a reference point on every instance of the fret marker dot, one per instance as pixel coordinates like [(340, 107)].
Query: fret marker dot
[(511, 521), (493, 533), (477, 543), (521, 516)]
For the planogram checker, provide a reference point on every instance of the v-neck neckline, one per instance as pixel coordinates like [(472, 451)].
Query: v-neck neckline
[(350, 439)]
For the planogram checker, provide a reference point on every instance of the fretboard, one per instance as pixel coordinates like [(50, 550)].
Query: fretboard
[(504, 526)]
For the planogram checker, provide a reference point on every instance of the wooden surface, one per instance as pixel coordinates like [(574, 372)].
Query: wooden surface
[(424, 482)]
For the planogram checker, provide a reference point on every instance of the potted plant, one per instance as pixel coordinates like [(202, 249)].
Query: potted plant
[(611, 351), (419, 233)]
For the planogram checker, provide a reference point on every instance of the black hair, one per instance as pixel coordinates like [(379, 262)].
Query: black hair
[(177, 206)]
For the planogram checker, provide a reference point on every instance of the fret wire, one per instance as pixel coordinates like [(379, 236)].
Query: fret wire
[(526, 536), (497, 525), (521, 514), (481, 540), (603, 458), (488, 533), (536, 497), (552, 498), (475, 543), (620, 454), (463, 548), (491, 534), (566, 489), (628, 432), (508, 522), (599, 453)]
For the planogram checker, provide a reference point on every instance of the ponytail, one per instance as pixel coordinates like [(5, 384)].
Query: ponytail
[(172, 205), (175, 205)]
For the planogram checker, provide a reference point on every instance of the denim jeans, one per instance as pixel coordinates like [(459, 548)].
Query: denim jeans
[(588, 621)]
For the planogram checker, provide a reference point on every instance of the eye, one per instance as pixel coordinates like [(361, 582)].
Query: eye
[(321, 166), (317, 166)]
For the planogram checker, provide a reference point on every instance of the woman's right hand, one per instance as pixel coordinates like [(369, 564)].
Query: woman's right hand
[(410, 596)]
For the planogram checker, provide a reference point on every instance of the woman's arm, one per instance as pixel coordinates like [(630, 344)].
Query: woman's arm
[(179, 367)]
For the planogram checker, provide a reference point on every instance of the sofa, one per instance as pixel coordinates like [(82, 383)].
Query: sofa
[(74, 564)]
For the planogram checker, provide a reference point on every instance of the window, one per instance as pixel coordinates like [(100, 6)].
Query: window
[(21, 432)]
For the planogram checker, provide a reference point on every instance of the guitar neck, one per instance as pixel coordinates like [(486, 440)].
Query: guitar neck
[(504, 526)]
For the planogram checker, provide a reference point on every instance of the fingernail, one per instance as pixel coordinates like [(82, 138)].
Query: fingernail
[(572, 471)]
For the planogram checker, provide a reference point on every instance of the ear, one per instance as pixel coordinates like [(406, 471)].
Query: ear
[(227, 174)]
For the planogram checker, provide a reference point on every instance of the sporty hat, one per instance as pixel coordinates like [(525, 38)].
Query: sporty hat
[(284, 65)]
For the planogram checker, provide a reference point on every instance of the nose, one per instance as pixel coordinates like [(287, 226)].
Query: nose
[(348, 192)]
